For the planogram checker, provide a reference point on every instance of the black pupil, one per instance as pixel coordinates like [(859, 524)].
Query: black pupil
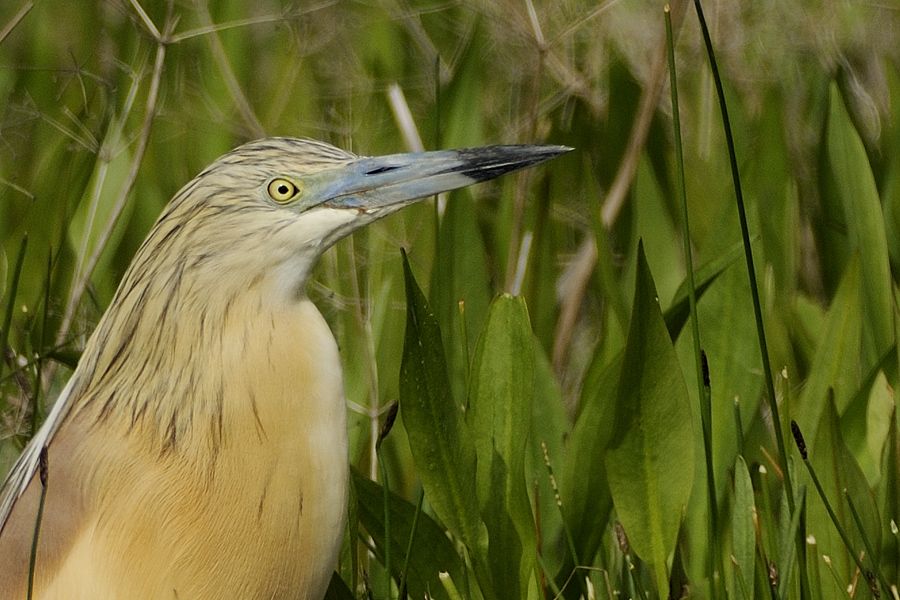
[(283, 189)]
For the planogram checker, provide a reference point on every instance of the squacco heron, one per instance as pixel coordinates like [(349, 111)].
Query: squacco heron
[(199, 450)]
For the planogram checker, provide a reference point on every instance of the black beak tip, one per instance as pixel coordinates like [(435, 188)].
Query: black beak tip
[(489, 162)]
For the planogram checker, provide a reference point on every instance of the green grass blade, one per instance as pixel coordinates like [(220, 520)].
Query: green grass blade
[(703, 391), (748, 255), (409, 547), (789, 547), (833, 469), (873, 555), (743, 533), (32, 561), (11, 301), (386, 488), (353, 532)]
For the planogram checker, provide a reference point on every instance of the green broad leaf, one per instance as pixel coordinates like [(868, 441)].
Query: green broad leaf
[(4, 266), (65, 357), (657, 229), (849, 178), (584, 485), (837, 471), (835, 364), (679, 310), (549, 428), (866, 421), (590, 503), (889, 503), (889, 182), (889, 487), (651, 462), (773, 196), (460, 275), (432, 551), (338, 589), (353, 528), (743, 534), (499, 417), (442, 447)]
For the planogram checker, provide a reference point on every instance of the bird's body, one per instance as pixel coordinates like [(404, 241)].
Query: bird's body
[(240, 514), (200, 448)]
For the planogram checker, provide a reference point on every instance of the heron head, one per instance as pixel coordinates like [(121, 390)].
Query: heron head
[(285, 200)]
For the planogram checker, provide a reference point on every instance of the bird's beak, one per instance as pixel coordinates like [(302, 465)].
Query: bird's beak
[(381, 185)]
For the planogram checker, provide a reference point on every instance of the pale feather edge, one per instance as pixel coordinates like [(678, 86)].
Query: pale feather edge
[(27, 464)]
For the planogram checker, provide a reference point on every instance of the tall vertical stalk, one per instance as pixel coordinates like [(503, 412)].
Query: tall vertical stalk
[(754, 292), (703, 389)]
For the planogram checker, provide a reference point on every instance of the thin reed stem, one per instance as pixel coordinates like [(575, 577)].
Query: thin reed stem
[(43, 468), (700, 364)]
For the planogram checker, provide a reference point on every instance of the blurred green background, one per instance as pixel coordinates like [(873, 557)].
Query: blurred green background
[(100, 124)]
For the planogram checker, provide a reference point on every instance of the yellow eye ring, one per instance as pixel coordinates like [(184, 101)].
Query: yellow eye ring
[(281, 190)]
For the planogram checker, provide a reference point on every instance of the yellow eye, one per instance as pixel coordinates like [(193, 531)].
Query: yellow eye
[(281, 190)]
